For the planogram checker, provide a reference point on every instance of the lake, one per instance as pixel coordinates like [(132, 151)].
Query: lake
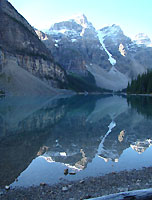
[(93, 135)]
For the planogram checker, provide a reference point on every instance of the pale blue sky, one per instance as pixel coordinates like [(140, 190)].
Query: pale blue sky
[(133, 16)]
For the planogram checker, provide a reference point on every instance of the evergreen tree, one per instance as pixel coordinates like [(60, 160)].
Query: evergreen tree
[(141, 85)]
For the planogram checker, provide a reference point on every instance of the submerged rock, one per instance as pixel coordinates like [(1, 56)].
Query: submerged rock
[(82, 181), (7, 187), (42, 184), (64, 189), (66, 171), (72, 173)]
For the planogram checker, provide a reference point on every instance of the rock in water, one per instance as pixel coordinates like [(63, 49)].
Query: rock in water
[(72, 173), (66, 171), (42, 184), (7, 187), (82, 181), (64, 189)]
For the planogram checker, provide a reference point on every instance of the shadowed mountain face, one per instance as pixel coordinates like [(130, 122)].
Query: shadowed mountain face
[(24, 59), (110, 56), (70, 131)]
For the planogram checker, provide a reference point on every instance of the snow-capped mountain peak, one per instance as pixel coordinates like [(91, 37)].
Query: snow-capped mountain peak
[(108, 54), (82, 20), (142, 39), (76, 27), (111, 30)]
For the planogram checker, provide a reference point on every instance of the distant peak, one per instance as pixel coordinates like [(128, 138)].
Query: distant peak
[(80, 16), (141, 35), (115, 25), (80, 19), (114, 29), (142, 39)]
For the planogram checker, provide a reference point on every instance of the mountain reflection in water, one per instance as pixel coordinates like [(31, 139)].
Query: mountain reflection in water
[(90, 135)]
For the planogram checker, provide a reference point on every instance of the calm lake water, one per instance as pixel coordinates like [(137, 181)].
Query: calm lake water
[(90, 135)]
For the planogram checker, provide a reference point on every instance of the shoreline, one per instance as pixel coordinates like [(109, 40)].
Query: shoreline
[(91, 187), (148, 95)]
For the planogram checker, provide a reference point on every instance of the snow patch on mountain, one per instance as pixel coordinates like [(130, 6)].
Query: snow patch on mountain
[(82, 20), (82, 32), (63, 31), (101, 39), (57, 41), (73, 40)]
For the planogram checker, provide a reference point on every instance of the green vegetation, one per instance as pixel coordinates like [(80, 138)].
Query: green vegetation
[(142, 104), (83, 84), (141, 85)]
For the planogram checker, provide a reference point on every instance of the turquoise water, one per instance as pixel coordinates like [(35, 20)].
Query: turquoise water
[(90, 135)]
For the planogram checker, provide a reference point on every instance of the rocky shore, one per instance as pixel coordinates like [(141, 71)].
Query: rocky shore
[(84, 189)]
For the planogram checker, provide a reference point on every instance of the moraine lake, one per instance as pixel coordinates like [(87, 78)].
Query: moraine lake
[(89, 135)]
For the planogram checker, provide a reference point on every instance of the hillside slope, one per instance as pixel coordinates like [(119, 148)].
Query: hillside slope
[(26, 65)]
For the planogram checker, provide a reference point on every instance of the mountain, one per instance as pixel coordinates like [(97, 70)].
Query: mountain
[(71, 45), (72, 54), (107, 54), (142, 39), (26, 65), (74, 45)]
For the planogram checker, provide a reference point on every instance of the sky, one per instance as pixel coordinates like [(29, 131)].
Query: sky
[(133, 16)]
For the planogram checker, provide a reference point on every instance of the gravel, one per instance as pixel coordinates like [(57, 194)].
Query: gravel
[(84, 189)]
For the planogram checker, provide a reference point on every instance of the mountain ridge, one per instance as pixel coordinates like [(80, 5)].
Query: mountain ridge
[(110, 56), (73, 55)]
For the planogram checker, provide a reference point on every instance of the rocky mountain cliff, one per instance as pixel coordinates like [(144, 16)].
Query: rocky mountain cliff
[(107, 54), (26, 65)]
